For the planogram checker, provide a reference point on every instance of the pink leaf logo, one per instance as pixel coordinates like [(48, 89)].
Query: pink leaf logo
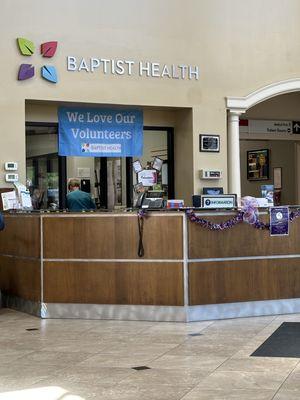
[(48, 49)]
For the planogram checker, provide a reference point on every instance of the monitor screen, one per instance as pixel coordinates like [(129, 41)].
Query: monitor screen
[(213, 190)]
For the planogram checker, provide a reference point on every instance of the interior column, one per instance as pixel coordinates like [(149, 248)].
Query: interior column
[(234, 167)]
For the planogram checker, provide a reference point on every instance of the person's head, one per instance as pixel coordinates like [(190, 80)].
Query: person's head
[(73, 184), (261, 159)]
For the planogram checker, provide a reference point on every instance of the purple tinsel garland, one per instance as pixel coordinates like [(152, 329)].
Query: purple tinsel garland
[(230, 223)]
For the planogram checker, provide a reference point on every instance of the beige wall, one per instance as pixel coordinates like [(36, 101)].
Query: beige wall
[(239, 47), (284, 107)]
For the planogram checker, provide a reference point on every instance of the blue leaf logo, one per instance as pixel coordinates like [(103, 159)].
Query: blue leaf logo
[(48, 72)]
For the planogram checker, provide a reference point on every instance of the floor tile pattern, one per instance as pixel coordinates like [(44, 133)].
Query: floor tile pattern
[(89, 359)]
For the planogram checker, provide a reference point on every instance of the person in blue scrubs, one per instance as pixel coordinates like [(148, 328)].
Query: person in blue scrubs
[(77, 200)]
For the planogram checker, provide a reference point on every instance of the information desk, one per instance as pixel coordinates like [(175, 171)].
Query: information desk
[(86, 265)]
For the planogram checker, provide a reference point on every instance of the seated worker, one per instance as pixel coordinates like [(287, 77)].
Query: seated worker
[(77, 200)]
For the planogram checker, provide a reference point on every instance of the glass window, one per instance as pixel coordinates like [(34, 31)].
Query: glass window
[(42, 166), (155, 145)]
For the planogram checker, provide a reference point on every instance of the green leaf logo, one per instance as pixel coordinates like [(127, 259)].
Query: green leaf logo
[(26, 46)]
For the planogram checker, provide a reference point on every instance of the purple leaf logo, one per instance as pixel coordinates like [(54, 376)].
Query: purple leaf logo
[(48, 49), (26, 71)]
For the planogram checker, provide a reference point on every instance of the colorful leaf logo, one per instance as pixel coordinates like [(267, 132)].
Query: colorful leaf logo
[(49, 73), (26, 46), (26, 71), (48, 49)]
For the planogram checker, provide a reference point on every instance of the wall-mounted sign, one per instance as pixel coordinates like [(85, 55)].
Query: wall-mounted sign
[(148, 177), (267, 126), (210, 143), (147, 69), (218, 201), (47, 50), (296, 126), (100, 132)]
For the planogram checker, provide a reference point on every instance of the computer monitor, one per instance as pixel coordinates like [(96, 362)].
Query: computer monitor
[(213, 190)]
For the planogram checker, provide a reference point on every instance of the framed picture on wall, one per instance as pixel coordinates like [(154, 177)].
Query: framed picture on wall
[(210, 143), (258, 165)]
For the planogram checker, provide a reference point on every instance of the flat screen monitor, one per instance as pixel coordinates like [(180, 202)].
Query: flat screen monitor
[(213, 190)]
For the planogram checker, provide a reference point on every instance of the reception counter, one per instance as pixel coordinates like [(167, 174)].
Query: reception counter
[(86, 265)]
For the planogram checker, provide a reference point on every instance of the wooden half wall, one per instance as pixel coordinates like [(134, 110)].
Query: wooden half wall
[(93, 259), (20, 257), (242, 263)]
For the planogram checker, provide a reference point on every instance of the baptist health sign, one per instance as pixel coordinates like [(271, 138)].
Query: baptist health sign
[(129, 67), (100, 132)]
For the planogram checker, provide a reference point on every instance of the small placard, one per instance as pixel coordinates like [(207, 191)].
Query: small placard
[(279, 221), (218, 201), (210, 143)]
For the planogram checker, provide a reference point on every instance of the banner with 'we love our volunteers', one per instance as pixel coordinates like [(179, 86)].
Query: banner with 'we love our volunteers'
[(100, 132)]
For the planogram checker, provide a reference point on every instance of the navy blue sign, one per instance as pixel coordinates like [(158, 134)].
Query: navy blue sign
[(100, 132), (279, 221)]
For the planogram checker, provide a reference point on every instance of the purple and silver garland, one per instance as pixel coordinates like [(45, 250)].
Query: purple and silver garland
[(230, 223), (293, 215), (249, 214)]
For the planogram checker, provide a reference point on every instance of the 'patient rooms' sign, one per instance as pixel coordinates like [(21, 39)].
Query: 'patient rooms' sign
[(100, 132)]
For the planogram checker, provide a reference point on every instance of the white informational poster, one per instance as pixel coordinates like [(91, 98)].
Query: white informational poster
[(10, 201), (148, 177), (25, 199)]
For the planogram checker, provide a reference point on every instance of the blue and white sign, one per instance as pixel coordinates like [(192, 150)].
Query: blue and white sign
[(279, 221), (100, 132)]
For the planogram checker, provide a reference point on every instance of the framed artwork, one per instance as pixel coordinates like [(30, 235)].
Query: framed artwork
[(277, 177), (258, 165), (210, 143)]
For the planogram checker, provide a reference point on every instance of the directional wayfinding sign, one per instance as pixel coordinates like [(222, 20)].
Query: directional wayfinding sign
[(261, 126), (296, 126)]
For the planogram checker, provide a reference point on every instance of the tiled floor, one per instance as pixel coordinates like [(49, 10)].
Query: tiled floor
[(88, 359)]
